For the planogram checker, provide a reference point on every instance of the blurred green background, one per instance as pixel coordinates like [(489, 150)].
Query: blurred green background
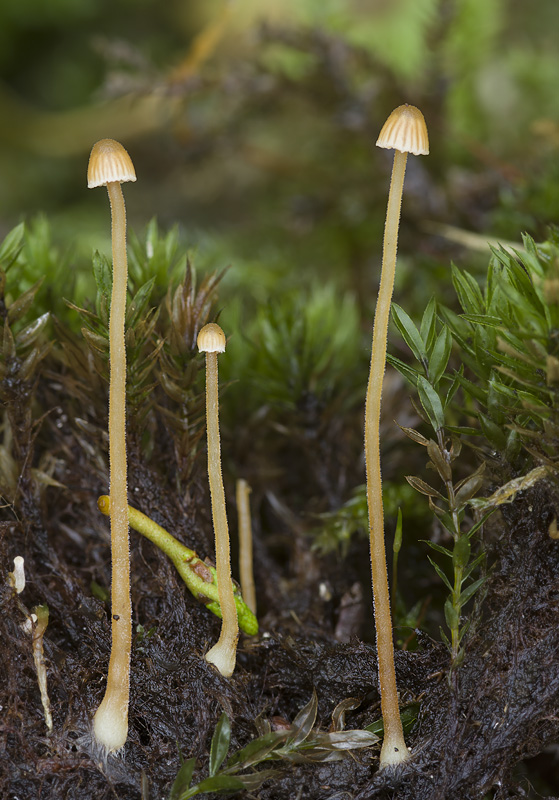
[(252, 125)]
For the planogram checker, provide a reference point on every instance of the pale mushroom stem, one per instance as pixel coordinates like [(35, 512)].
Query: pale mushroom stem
[(246, 572), (111, 719), (394, 748), (223, 654)]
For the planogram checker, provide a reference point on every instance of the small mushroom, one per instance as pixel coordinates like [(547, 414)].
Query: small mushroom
[(405, 132), (211, 341), (110, 165)]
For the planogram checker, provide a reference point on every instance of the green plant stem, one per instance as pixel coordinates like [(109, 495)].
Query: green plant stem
[(394, 748), (199, 577), (111, 718), (458, 571), (455, 632)]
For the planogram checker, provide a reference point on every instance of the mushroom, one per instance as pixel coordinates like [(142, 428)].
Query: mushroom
[(405, 132), (211, 341), (110, 165)]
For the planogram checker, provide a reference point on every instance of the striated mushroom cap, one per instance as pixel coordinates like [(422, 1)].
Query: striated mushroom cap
[(405, 130), (109, 162), (211, 339)]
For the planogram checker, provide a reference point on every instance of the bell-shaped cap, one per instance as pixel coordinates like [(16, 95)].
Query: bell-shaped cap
[(109, 162), (211, 339), (405, 130)]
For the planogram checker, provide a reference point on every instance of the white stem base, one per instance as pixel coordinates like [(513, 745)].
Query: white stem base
[(393, 752), (110, 723), (223, 655)]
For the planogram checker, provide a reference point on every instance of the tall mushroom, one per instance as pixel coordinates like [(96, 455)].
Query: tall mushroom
[(405, 132), (110, 165), (211, 341)]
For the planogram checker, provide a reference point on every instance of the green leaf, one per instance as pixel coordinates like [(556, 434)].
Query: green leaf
[(460, 328), (527, 308), (97, 341), (499, 397), (468, 593), (254, 780), (440, 573), (376, 727), (439, 548), (484, 346), (468, 291), (29, 334), (520, 283), (136, 308), (409, 373), (257, 750), (411, 433), (102, 273), (304, 721), (420, 486), (19, 307), (220, 744), (11, 246), (439, 356), (409, 333), (431, 402), (495, 435), (513, 446), (461, 552), (439, 460), (408, 717), (463, 430), (351, 740), (451, 615), (182, 781), (475, 528), (453, 388), (484, 319), (475, 562), (220, 784), (427, 327), (479, 393), (467, 488), (446, 520), (29, 365)]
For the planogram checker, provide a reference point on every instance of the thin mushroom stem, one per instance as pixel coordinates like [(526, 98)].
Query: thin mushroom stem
[(223, 654), (394, 748), (246, 571), (111, 719)]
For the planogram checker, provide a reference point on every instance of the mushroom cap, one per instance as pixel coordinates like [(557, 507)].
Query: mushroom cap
[(109, 162), (405, 130), (211, 339)]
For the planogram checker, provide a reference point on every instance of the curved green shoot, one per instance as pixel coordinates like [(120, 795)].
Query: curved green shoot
[(199, 577)]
